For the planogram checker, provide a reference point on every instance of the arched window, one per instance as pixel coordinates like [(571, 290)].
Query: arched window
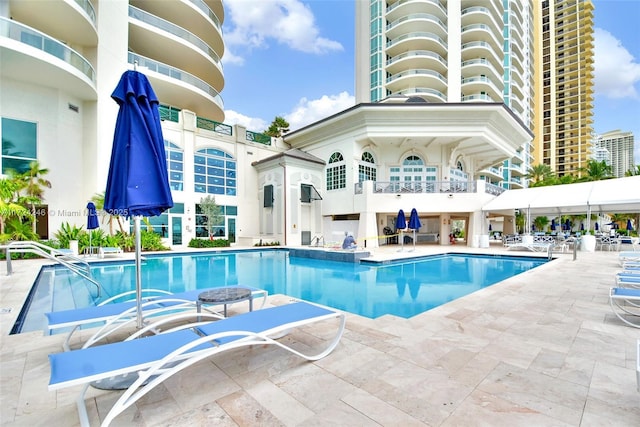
[(215, 172), (412, 173), (367, 169), (336, 172), (413, 169), (175, 165)]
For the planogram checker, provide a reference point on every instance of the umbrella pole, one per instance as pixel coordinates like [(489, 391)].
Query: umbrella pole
[(414, 240), (136, 230)]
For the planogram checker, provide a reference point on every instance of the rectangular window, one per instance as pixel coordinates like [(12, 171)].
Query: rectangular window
[(308, 193), (268, 196), (19, 144)]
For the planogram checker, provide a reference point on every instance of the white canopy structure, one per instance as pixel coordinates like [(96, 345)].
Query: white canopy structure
[(621, 195)]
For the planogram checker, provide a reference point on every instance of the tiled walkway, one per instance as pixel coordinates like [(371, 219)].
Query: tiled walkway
[(539, 349)]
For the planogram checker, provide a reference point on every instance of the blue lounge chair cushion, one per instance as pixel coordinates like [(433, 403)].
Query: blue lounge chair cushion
[(120, 357), (264, 320)]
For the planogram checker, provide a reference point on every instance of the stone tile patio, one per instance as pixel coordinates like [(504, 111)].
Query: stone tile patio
[(539, 349)]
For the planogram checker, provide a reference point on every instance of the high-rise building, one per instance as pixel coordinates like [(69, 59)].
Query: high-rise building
[(450, 52), (619, 146), (564, 85), (60, 61)]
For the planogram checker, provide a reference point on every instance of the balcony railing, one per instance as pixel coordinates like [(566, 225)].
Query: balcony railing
[(38, 40), (424, 187), (173, 29), (176, 73), (260, 138)]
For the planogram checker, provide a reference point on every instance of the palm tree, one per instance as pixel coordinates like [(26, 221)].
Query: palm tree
[(633, 172), (98, 200), (538, 174), (9, 208), (34, 185), (596, 171)]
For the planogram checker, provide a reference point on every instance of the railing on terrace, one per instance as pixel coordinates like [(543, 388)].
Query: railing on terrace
[(426, 187), (493, 189), (214, 126), (260, 138), (169, 113)]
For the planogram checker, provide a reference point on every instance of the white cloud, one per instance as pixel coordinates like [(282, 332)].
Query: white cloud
[(250, 123), (289, 22), (616, 70), (305, 113), (310, 111)]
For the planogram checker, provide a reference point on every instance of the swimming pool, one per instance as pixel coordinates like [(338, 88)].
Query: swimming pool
[(401, 288)]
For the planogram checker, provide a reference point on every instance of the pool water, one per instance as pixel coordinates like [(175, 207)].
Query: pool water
[(401, 288)]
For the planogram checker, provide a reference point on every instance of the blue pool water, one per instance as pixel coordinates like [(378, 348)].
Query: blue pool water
[(401, 288)]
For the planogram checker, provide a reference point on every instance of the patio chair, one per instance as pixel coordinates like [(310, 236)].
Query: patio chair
[(102, 252), (116, 315), (625, 303), (628, 280), (158, 357)]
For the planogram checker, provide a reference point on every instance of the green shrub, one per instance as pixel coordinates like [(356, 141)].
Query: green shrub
[(151, 241), (261, 243), (207, 243)]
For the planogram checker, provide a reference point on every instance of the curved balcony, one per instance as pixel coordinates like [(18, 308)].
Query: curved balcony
[(480, 66), (416, 41), (416, 22), (480, 15), (179, 88), (29, 55), (193, 15), (478, 97), (482, 84), (483, 33), (72, 21), (217, 8), (416, 78), (165, 42), (406, 7), (417, 59), (478, 49), (426, 93)]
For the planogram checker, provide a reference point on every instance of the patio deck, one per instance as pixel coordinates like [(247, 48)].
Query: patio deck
[(541, 348)]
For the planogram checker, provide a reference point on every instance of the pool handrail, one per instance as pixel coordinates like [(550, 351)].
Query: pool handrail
[(52, 254)]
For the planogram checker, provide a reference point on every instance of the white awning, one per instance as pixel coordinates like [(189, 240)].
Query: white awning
[(621, 195)]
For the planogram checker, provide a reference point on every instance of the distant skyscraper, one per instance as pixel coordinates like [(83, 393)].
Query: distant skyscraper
[(619, 145), (450, 52), (564, 85)]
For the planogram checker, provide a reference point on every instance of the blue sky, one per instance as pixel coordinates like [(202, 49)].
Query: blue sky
[(295, 59)]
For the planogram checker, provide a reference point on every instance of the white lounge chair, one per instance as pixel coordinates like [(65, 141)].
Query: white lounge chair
[(627, 280), (102, 252), (158, 357), (625, 303), (116, 315), (625, 256)]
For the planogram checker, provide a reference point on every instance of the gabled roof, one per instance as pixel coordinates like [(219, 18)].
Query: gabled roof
[(293, 153)]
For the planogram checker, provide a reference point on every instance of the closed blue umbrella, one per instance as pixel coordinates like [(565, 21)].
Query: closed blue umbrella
[(597, 226), (414, 224), (553, 224), (401, 224), (137, 183), (629, 226), (92, 222)]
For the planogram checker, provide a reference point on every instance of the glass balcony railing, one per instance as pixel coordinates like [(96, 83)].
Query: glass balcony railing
[(176, 73), (200, 4), (34, 38), (175, 30), (88, 8)]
